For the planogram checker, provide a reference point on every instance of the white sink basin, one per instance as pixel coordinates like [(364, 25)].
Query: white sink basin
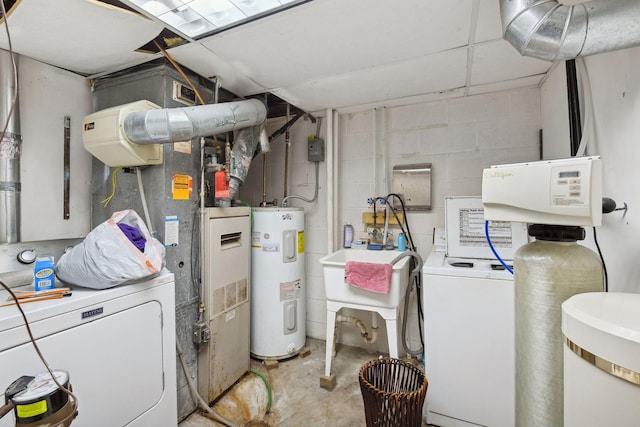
[(337, 290)]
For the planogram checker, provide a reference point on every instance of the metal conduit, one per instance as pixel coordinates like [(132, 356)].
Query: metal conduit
[(10, 151), (547, 30)]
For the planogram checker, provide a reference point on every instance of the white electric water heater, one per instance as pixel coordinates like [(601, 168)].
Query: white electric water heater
[(277, 283)]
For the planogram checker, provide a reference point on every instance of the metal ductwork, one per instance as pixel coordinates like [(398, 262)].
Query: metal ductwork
[(10, 151), (551, 31), (244, 146), (169, 125)]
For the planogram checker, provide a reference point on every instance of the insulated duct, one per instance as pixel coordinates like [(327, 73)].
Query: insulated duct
[(169, 125), (10, 151), (247, 140), (547, 30)]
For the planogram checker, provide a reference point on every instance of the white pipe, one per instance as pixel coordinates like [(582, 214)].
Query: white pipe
[(385, 152), (336, 171), (145, 208), (374, 171), (330, 180), (203, 218)]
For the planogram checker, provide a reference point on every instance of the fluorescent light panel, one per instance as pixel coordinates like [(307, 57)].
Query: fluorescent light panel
[(197, 18)]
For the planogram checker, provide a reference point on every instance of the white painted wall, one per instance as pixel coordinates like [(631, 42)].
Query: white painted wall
[(459, 137), (615, 85), (48, 94)]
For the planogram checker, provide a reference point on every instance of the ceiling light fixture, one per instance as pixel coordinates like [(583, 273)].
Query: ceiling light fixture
[(195, 19)]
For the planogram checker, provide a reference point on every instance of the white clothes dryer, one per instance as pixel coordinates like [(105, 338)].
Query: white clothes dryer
[(118, 346)]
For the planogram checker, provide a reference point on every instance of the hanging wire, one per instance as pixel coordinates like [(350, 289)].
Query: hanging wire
[(604, 266), (106, 201)]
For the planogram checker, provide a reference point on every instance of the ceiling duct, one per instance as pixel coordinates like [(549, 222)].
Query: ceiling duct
[(169, 125), (10, 151), (551, 31)]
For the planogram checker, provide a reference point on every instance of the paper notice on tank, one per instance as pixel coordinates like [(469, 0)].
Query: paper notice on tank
[(290, 290)]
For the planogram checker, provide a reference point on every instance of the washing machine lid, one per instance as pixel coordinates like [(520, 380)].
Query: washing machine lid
[(439, 264), (607, 325)]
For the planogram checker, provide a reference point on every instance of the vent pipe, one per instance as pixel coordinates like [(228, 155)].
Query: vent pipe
[(10, 151), (168, 125), (547, 30)]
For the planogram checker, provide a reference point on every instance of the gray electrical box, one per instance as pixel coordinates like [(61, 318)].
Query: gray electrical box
[(315, 149)]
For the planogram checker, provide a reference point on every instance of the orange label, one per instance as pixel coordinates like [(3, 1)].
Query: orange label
[(182, 186)]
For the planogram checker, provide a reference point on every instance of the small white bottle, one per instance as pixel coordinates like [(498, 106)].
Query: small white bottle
[(347, 235)]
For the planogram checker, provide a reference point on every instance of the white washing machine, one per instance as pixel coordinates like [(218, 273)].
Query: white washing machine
[(469, 342), (118, 346), (601, 359), (469, 333)]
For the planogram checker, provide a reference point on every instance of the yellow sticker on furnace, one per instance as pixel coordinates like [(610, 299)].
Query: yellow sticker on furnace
[(182, 186)]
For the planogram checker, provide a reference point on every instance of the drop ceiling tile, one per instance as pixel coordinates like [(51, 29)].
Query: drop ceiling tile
[(432, 73), (333, 37), (489, 23), (206, 63), (506, 85), (84, 36), (498, 61)]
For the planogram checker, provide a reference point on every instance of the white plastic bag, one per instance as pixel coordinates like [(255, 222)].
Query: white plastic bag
[(107, 258)]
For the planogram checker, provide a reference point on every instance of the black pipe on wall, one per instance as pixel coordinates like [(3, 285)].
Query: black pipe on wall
[(575, 125)]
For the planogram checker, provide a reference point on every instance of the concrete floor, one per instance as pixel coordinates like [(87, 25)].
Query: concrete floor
[(298, 399)]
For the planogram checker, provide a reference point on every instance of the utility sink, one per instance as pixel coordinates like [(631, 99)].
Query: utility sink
[(337, 290)]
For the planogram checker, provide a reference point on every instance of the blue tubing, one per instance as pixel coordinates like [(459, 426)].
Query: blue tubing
[(486, 233)]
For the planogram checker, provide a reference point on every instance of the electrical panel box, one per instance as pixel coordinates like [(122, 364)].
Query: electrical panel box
[(315, 149)]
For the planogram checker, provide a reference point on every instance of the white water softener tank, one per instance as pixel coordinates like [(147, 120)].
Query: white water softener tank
[(277, 283), (547, 272)]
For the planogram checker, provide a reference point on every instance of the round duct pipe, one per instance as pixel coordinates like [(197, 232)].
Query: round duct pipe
[(167, 125), (10, 151), (551, 31)]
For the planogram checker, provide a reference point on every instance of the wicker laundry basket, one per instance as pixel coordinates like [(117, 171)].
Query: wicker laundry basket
[(393, 392)]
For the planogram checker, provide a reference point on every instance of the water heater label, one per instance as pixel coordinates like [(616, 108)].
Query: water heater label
[(255, 239), (300, 242), (291, 290), (266, 241)]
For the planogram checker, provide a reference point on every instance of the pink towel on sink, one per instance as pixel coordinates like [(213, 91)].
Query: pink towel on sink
[(370, 276)]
